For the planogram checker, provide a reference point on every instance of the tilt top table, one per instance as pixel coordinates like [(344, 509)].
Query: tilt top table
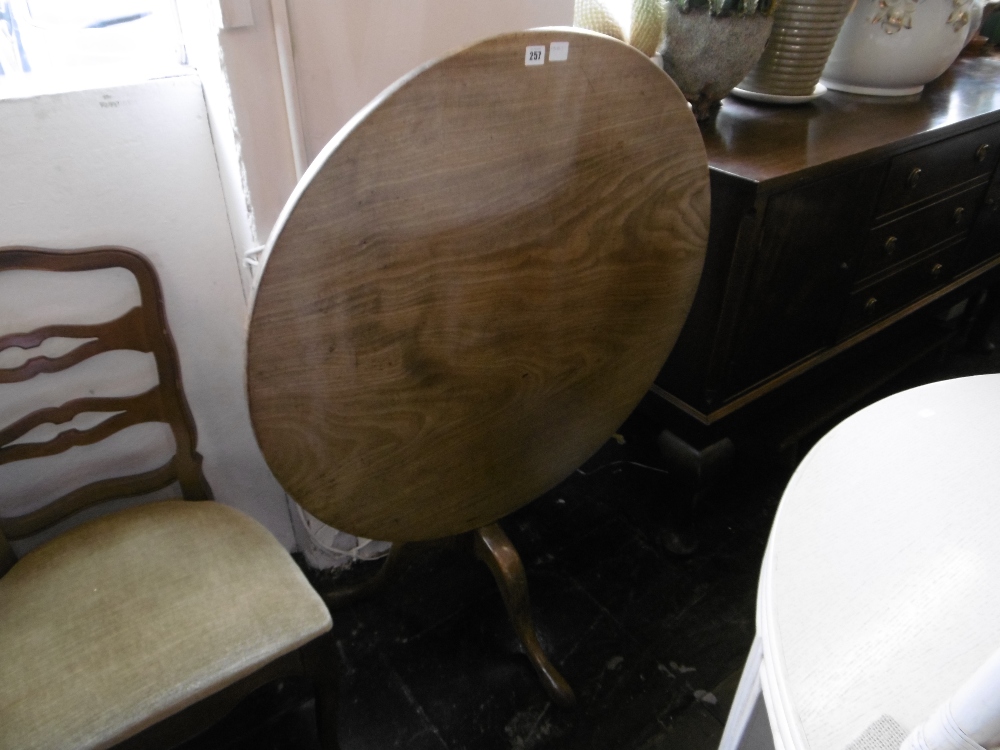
[(473, 286)]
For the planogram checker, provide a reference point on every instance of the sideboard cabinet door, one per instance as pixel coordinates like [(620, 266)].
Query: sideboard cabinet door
[(984, 240), (800, 277)]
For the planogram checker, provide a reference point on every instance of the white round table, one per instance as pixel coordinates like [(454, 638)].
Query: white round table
[(880, 589)]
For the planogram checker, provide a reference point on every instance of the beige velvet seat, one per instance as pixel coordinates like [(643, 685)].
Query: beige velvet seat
[(135, 616), (127, 619)]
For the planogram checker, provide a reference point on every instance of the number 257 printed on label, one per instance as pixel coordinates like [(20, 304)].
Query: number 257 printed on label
[(534, 55)]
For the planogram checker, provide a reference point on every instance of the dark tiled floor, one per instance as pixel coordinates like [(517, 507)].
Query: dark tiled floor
[(652, 643), (621, 619)]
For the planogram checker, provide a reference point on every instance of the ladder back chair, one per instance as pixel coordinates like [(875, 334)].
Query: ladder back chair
[(139, 625), (472, 287)]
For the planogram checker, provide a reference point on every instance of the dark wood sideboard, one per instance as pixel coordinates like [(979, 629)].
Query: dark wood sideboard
[(833, 223)]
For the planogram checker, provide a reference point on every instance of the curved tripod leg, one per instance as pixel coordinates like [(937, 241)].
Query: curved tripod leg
[(492, 546)]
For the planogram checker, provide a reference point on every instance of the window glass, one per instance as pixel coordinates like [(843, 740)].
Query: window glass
[(65, 36)]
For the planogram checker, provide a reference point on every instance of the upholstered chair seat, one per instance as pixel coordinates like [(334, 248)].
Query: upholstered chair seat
[(132, 617)]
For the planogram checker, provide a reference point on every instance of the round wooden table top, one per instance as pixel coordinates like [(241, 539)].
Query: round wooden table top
[(475, 282), (878, 594)]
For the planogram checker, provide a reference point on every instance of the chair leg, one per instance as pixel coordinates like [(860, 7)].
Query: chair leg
[(322, 666), (394, 564), (7, 556), (748, 693), (492, 546)]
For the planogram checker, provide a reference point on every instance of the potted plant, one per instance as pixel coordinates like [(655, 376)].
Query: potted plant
[(707, 46), (710, 46)]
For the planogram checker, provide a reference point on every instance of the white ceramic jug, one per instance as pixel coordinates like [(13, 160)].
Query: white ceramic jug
[(894, 47)]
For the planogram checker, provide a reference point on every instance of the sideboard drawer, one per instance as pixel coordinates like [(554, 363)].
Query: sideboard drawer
[(984, 239), (909, 235), (903, 287), (927, 171)]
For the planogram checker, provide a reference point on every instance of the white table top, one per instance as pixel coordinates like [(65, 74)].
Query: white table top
[(880, 593)]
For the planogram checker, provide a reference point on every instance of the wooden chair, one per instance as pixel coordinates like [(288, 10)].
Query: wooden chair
[(472, 287), (135, 617)]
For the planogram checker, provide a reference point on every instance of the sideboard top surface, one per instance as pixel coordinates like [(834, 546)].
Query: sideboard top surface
[(765, 143)]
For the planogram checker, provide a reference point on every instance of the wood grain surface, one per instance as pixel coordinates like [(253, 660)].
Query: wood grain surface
[(475, 283)]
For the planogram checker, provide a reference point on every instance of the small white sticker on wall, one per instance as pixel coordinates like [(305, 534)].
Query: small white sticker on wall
[(558, 51), (534, 55)]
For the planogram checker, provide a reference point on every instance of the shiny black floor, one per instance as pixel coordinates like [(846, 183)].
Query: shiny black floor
[(652, 643)]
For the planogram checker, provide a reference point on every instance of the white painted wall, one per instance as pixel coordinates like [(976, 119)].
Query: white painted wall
[(250, 60), (347, 51), (200, 21), (135, 165)]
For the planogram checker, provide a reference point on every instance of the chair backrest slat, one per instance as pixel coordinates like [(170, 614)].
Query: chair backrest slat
[(126, 411), (144, 329), (20, 527), (122, 333)]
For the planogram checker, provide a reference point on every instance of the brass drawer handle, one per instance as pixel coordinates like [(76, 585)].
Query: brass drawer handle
[(890, 246), (914, 177), (958, 215), (870, 305), (936, 270), (982, 151)]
